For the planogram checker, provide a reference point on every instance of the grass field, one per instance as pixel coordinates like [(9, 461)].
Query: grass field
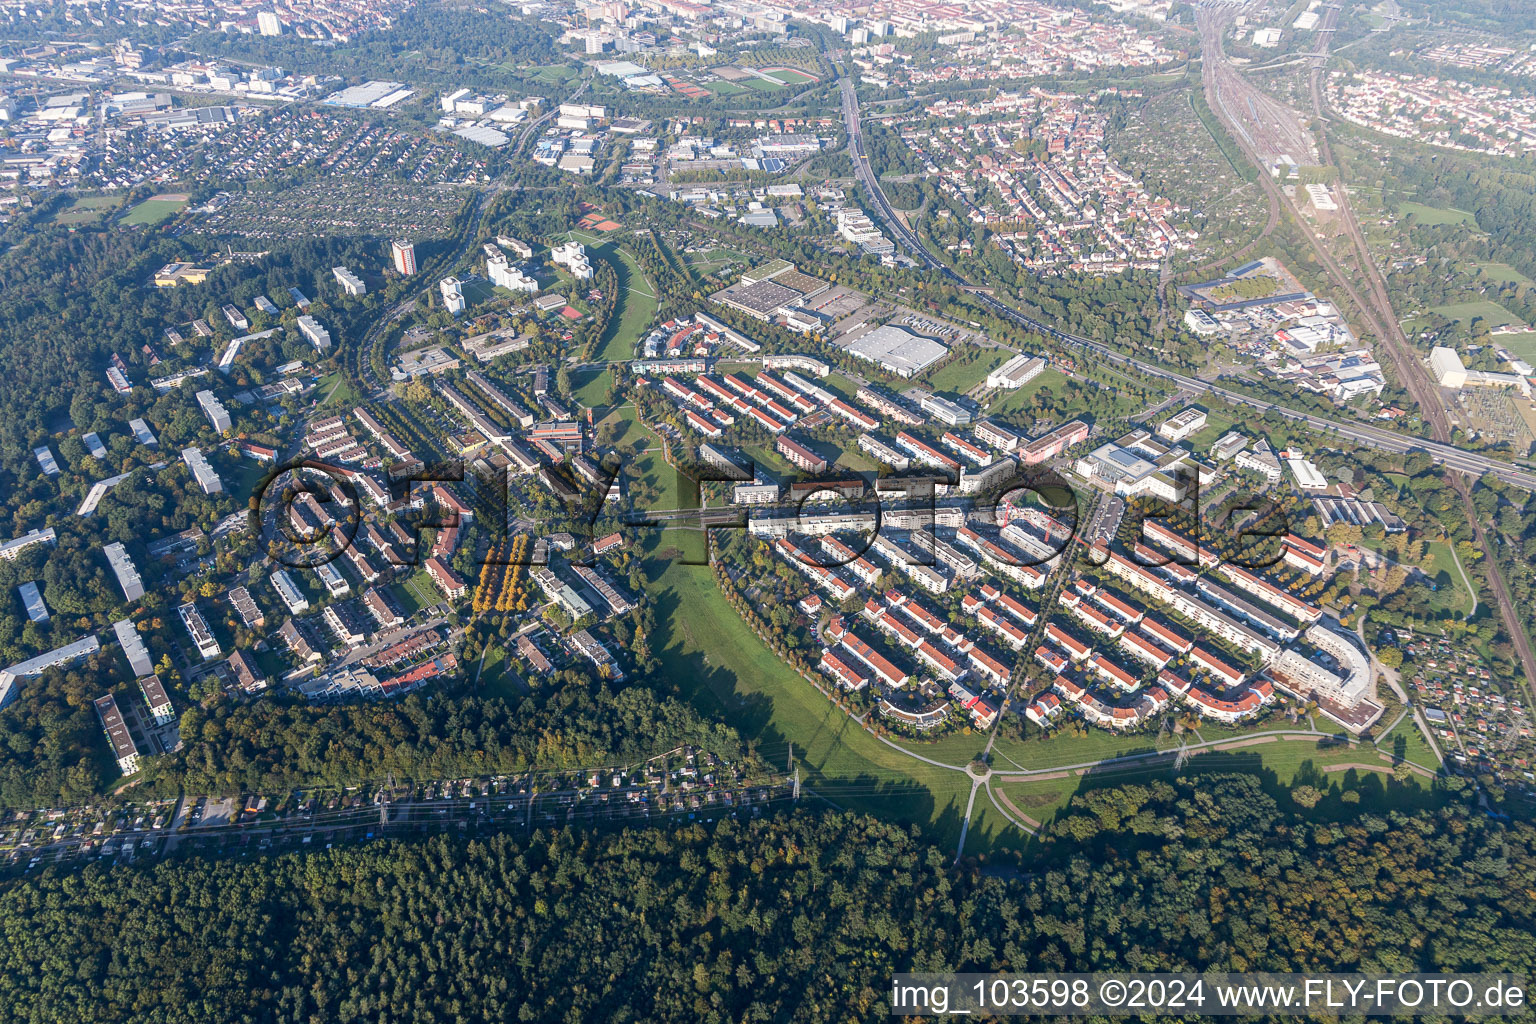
[(1435, 215), (968, 370), (1064, 748), (633, 430), (559, 74), (589, 388), (1522, 345), (637, 300), (153, 211), (336, 390), (415, 593), (853, 459), (726, 671), (723, 88), (663, 478), (87, 210), (713, 259), (837, 382), (1490, 311), (241, 476), (1503, 273), (763, 86), (764, 455), (1280, 763), (1018, 401), (1407, 742), (1452, 594), (790, 76)]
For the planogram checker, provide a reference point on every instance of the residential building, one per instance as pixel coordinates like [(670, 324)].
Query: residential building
[(156, 699), (404, 254), (202, 471), (453, 294), (350, 283), (311, 329), (126, 572), (123, 748), (218, 416), (133, 648)]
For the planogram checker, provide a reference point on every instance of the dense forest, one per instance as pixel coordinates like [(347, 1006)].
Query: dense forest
[(803, 916), (51, 751)]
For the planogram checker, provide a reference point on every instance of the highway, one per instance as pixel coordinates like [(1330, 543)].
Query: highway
[(1443, 454)]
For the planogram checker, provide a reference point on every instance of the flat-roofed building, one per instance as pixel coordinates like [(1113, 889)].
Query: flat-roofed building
[(350, 283), (156, 699), (1228, 445), (133, 648), (10, 678), (1182, 424), (142, 433), (126, 572), (246, 607), (124, 751), (404, 254), (1016, 372), (898, 350), (32, 601), (289, 592), (945, 411), (202, 471), (11, 548), (197, 629), (218, 416), (314, 332)]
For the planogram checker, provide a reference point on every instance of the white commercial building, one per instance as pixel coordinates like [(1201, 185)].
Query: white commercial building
[(1016, 372), (1177, 427), (898, 350)]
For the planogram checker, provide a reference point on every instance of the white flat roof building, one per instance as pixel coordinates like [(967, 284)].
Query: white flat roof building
[(1308, 477), (1016, 372), (10, 678), (11, 548), (898, 350), (453, 294), (218, 416), (207, 478), (197, 629), (573, 256), (133, 648), (289, 592), (125, 571), (312, 329), (350, 282), (32, 601), (1179, 426)]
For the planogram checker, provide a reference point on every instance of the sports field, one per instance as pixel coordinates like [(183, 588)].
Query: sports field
[(155, 210)]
